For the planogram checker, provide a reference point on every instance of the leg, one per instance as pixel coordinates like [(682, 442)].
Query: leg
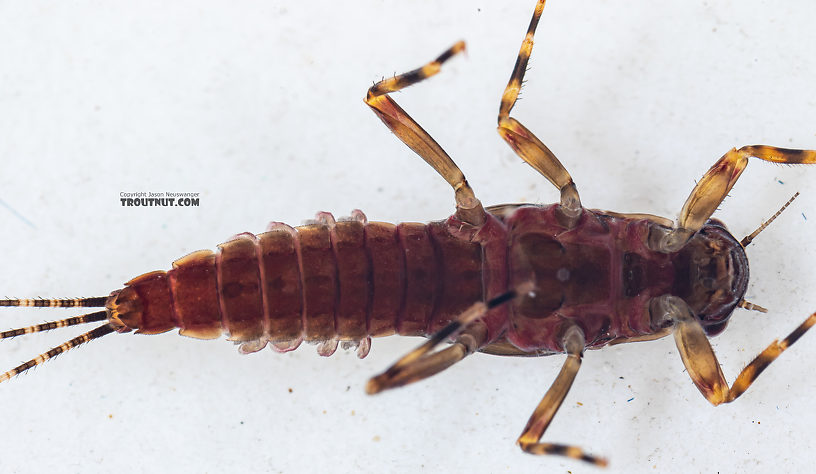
[(468, 208), (546, 409), (527, 145), (468, 333), (715, 185), (418, 364), (702, 364)]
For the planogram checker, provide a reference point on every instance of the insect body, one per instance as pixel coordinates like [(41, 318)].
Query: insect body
[(507, 280), (325, 282)]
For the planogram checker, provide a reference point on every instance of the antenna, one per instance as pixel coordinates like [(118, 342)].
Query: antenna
[(749, 238)]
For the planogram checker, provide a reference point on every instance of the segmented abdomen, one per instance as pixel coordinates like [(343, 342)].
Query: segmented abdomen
[(346, 281)]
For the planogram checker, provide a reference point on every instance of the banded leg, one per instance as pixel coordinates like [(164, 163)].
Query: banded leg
[(528, 146), (421, 363), (468, 208), (701, 362), (529, 441), (715, 185), (468, 333)]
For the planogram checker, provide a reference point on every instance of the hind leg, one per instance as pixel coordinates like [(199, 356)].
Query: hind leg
[(468, 333), (468, 208)]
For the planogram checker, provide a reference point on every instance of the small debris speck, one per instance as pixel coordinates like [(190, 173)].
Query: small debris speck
[(348, 387), (804, 216), (780, 181), (376, 438), (352, 412), (630, 399), (110, 416), (579, 404), (290, 390)]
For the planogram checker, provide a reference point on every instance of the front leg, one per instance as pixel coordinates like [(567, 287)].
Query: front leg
[(714, 187), (700, 360)]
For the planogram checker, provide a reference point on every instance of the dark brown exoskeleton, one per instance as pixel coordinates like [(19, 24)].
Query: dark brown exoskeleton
[(514, 280)]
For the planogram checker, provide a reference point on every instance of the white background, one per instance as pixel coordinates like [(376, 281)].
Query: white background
[(258, 107)]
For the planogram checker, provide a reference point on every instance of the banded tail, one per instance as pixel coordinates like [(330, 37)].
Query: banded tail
[(95, 302)]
